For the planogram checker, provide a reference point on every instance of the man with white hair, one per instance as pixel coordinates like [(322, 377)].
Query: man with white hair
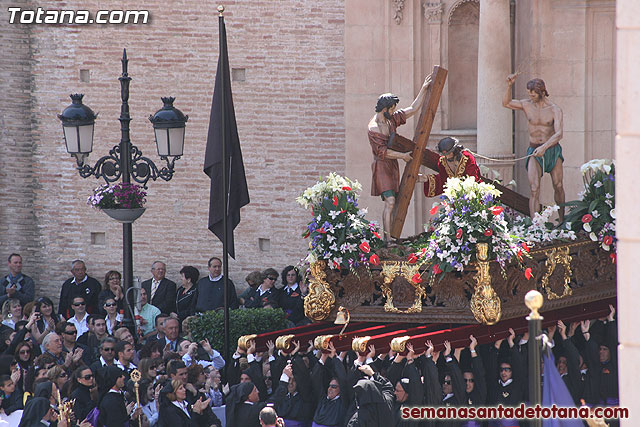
[(79, 285)]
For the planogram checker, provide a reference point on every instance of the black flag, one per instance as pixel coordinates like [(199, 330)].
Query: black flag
[(223, 129)]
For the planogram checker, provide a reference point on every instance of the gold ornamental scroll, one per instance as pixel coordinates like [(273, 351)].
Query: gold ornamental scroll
[(393, 269), (557, 256), (320, 301), (485, 303), (421, 137)]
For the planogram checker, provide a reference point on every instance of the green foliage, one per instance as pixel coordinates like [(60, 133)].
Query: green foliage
[(210, 325)]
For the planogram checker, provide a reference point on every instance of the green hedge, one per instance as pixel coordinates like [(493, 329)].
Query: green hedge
[(210, 325)]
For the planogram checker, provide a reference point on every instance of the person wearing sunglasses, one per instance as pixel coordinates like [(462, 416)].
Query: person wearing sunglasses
[(266, 294), (107, 354), (79, 319), (69, 335), (113, 318), (112, 288), (83, 392)]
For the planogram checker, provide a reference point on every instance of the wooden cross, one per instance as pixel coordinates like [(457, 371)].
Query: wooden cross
[(421, 137)]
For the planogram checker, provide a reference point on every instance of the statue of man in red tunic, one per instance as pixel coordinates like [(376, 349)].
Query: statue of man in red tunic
[(385, 172), (455, 162)]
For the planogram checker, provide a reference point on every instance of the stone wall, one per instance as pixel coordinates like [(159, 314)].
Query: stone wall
[(18, 225), (289, 110)]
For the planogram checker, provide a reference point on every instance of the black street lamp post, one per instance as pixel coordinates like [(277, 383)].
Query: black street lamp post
[(125, 161)]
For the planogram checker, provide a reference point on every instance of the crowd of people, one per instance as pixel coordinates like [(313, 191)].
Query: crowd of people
[(81, 356)]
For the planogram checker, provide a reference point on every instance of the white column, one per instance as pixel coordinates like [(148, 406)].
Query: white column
[(494, 64), (628, 203)]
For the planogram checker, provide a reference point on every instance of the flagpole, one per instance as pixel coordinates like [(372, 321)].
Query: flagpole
[(533, 301), (225, 192)]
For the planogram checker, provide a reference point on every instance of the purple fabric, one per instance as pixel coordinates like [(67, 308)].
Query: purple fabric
[(294, 423), (471, 424), (314, 424), (554, 391)]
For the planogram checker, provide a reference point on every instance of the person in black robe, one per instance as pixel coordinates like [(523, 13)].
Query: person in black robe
[(82, 382), (36, 410), (408, 386), (113, 410), (243, 403), (329, 383), (373, 399), (297, 406)]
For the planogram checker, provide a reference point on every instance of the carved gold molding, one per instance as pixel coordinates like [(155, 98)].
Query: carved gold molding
[(393, 269), (398, 6), (320, 301), (557, 256), (485, 303)]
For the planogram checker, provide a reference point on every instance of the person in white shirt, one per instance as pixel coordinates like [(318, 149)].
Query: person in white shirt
[(79, 319)]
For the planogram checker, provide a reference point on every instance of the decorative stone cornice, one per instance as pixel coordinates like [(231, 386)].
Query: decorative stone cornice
[(433, 11), (457, 5), (398, 8)]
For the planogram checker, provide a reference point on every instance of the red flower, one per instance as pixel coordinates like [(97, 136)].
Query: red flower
[(412, 258), (336, 265), (520, 256), (613, 257), (424, 251), (527, 273), (306, 235), (374, 259), (377, 235), (458, 233), (364, 247), (496, 210), (335, 200), (437, 269), (416, 278), (346, 188), (587, 218), (434, 210), (488, 232), (321, 230), (525, 247), (608, 240)]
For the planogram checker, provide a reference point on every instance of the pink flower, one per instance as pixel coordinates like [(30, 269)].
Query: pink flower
[(434, 210), (437, 269), (587, 218), (458, 233), (608, 240)]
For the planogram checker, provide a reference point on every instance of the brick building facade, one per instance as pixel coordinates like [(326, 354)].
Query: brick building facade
[(289, 109)]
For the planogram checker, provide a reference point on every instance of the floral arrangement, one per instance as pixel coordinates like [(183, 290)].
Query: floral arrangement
[(469, 213), (339, 232), (539, 229), (594, 211), (123, 195)]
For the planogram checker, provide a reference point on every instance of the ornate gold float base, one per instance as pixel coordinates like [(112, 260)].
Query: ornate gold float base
[(320, 301), (393, 269), (485, 303)]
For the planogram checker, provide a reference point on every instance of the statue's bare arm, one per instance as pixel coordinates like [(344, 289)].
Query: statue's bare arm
[(507, 100), (415, 105)]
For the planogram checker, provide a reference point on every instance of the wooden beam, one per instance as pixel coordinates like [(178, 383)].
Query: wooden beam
[(430, 159), (410, 175)]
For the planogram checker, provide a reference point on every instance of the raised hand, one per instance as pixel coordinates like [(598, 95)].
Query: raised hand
[(511, 337), (562, 328), (252, 347), (612, 312), (473, 343), (372, 352), (429, 351), (288, 370), (584, 326), (271, 347), (410, 353), (447, 348)]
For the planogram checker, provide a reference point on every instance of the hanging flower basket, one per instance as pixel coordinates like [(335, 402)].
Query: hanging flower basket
[(125, 216)]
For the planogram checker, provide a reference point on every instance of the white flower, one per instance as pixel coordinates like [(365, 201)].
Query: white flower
[(586, 227), (334, 214), (330, 238), (595, 214), (608, 196), (593, 236), (612, 213), (605, 247), (597, 184)]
